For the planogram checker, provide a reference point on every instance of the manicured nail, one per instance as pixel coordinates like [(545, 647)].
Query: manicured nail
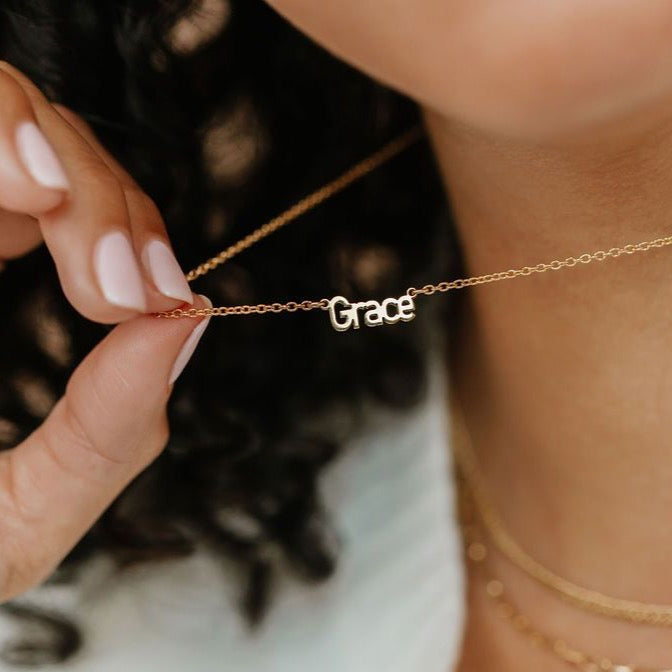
[(39, 158), (118, 272), (165, 272), (190, 345)]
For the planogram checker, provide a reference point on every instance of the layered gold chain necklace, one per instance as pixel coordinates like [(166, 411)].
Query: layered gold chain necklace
[(345, 315), (482, 525)]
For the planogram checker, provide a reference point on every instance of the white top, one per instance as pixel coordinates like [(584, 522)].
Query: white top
[(396, 603)]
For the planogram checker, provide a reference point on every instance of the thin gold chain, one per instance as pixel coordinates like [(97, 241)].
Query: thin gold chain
[(259, 309), (584, 598), (556, 265), (367, 165), (559, 648), (478, 554), (356, 172), (353, 174), (427, 290)]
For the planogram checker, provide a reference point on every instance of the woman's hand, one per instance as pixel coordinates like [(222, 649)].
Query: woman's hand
[(109, 425), (114, 261), (58, 184)]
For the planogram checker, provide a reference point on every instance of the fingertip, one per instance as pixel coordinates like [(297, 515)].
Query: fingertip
[(39, 158), (165, 272), (20, 193), (189, 346), (32, 179), (133, 368), (118, 272)]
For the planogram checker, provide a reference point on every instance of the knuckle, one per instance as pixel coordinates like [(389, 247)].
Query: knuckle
[(143, 209), (103, 191), (73, 451), (99, 439), (79, 440), (95, 175)]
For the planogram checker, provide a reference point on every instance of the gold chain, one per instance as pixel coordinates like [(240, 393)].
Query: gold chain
[(359, 170), (584, 598), (559, 648), (478, 553), (343, 314), (556, 265), (362, 168), (259, 309)]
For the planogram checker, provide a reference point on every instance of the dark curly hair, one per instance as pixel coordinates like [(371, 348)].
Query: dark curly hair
[(223, 134)]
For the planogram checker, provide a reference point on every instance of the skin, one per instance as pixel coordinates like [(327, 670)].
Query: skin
[(112, 420), (523, 68), (552, 124), (102, 198)]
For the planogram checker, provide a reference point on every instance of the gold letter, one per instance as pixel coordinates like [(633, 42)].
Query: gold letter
[(373, 317), (347, 312), (406, 308), (390, 319)]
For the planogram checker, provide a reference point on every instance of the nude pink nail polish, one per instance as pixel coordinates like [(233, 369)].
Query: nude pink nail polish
[(190, 345), (165, 272), (39, 158), (118, 272)]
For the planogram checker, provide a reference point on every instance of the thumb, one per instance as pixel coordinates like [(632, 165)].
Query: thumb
[(109, 425)]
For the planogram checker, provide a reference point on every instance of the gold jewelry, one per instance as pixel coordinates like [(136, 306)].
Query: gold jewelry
[(584, 598), (477, 552), (345, 315)]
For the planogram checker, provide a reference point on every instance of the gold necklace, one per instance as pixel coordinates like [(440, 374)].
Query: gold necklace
[(584, 598), (478, 554), (559, 648), (345, 315)]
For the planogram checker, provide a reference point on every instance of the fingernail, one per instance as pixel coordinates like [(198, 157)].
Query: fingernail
[(165, 272), (190, 345), (39, 158), (118, 272)]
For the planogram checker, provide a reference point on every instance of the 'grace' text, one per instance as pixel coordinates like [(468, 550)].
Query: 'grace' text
[(345, 315)]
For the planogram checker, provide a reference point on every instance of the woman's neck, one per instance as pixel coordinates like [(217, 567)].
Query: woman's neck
[(566, 377)]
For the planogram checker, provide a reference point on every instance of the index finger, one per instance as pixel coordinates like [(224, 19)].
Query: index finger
[(98, 235)]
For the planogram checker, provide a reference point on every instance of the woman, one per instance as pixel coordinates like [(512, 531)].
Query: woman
[(550, 124)]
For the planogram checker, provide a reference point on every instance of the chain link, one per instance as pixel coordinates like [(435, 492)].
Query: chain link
[(258, 309), (556, 265)]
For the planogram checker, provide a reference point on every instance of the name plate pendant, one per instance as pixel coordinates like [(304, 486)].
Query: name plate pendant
[(345, 315)]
